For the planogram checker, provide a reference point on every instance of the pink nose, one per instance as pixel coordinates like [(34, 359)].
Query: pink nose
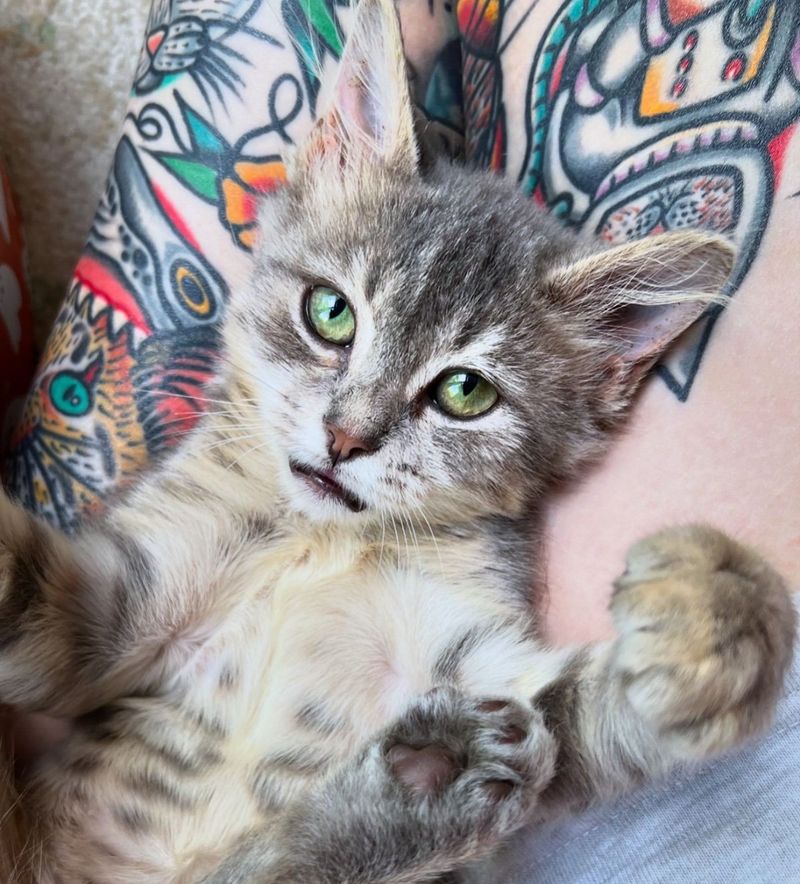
[(342, 446)]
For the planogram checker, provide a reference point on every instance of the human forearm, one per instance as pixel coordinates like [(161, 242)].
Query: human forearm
[(628, 122)]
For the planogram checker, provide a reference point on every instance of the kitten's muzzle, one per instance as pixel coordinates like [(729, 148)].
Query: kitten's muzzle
[(323, 483)]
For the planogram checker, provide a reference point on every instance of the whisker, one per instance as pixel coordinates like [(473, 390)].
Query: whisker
[(396, 535), (405, 541), (177, 418), (383, 537), (220, 69), (421, 511), (199, 398), (414, 538), (198, 81), (231, 441), (219, 46), (249, 452), (211, 81), (262, 381)]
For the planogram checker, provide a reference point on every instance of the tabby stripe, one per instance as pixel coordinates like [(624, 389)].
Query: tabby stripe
[(228, 678), (446, 667), (185, 762), (316, 718), (151, 785), (213, 726), (301, 762), (136, 563), (132, 819)]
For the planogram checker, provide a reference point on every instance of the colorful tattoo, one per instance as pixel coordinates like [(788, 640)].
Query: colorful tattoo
[(142, 258), (222, 89), (316, 33), (651, 115), (193, 36), (123, 372), (230, 177), (91, 419), (80, 431), (480, 24)]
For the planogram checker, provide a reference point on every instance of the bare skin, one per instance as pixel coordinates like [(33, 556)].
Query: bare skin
[(728, 454)]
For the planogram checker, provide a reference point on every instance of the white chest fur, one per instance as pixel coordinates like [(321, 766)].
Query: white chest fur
[(330, 641)]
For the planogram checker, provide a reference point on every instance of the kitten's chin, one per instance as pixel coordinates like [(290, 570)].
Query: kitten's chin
[(320, 510)]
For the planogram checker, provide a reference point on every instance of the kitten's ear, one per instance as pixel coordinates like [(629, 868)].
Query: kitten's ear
[(370, 114), (641, 296)]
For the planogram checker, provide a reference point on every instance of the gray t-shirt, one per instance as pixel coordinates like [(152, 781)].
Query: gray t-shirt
[(736, 821)]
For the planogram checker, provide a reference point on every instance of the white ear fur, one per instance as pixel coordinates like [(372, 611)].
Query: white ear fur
[(370, 114), (644, 294)]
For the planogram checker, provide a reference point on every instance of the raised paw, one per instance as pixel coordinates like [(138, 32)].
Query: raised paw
[(477, 763), (706, 634), (440, 787)]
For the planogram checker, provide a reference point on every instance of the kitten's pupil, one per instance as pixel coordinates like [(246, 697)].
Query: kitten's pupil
[(337, 308), (469, 384)]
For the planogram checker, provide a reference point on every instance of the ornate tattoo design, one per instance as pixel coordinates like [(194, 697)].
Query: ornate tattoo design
[(231, 176), (480, 24), (193, 36), (135, 341), (103, 402), (651, 115)]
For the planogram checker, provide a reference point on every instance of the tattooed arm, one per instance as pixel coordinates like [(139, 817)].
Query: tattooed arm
[(626, 119), (222, 91)]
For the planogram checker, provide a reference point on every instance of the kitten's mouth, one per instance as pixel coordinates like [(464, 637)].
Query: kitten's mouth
[(321, 482)]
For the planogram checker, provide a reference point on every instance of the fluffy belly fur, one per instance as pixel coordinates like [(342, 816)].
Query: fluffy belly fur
[(160, 787)]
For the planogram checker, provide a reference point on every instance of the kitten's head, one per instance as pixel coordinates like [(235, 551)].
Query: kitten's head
[(431, 340)]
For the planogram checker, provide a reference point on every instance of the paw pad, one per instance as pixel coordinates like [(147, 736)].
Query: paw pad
[(424, 770)]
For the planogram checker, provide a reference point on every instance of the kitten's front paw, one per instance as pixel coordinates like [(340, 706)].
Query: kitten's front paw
[(440, 787), (478, 765), (706, 634)]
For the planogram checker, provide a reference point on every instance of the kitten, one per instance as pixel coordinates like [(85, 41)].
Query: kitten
[(303, 649)]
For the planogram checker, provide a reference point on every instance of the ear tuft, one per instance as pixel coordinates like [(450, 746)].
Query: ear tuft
[(657, 270), (370, 117), (642, 295)]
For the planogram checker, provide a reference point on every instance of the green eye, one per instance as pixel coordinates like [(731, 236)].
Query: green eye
[(330, 316), (464, 394)]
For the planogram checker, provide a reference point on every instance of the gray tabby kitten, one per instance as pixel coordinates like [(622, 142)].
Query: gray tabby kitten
[(303, 649)]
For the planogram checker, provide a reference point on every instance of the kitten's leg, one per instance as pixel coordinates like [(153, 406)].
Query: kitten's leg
[(706, 630), (85, 619), (444, 785)]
